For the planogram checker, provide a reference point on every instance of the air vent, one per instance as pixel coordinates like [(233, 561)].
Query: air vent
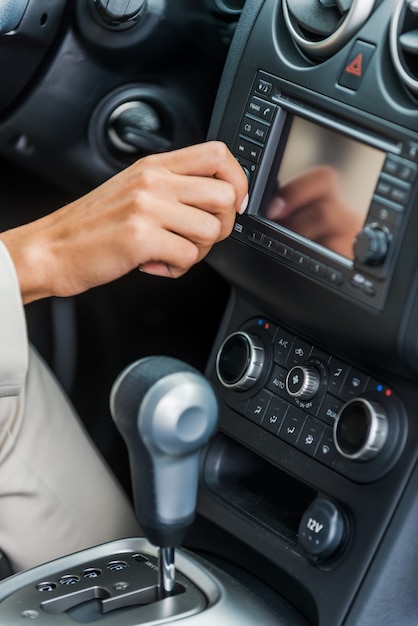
[(321, 27), (404, 42)]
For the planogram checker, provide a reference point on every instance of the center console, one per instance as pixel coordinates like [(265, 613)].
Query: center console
[(309, 483)]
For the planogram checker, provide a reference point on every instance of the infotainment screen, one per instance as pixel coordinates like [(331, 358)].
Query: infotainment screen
[(322, 185)]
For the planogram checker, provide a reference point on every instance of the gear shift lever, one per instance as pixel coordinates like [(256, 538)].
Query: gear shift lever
[(166, 411)]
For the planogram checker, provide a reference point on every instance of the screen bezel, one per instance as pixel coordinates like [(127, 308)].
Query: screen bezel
[(273, 153)]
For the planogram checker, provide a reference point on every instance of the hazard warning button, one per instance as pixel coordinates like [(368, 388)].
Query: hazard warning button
[(356, 64)]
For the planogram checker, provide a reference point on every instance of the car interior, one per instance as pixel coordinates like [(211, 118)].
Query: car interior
[(301, 327)]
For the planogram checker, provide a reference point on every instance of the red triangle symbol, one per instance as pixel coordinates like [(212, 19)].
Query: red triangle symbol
[(355, 67)]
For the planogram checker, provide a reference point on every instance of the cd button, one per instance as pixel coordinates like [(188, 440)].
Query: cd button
[(254, 129)]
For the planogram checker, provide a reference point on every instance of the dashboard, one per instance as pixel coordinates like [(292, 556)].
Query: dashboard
[(308, 491), (315, 360)]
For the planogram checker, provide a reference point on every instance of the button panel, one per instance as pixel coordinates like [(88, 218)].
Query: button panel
[(306, 424)]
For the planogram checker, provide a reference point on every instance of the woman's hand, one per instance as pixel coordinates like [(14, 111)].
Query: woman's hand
[(162, 214)]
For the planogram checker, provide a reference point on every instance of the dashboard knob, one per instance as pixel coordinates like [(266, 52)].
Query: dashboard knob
[(136, 126), (240, 360), (361, 429), (371, 245), (303, 381), (119, 11)]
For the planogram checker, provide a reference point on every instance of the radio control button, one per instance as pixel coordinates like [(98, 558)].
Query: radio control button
[(334, 276), (317, 268), (285, 251), (371, 245), (388, 216), (247, 150), (269, 243), (261, 109), (264, 87), (400, 194), (410, 150), (254, 129)]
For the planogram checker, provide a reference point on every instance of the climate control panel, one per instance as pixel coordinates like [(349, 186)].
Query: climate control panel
[(336, 413)]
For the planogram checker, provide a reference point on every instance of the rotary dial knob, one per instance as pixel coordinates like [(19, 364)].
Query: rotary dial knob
[(303, 381), (361, 429), (371, 245), (240, 360)]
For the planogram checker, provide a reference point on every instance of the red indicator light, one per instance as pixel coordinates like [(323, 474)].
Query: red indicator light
[(388, 393)]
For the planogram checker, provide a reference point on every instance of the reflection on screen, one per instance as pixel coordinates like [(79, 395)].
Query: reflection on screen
[(324, 186)]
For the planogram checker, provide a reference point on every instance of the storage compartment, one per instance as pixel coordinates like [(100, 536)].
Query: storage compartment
[(255, 488)]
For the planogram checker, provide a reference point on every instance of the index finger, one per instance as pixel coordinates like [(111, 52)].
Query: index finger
[(212, 159)]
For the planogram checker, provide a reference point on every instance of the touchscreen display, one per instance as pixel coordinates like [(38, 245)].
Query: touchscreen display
[(323, 187)]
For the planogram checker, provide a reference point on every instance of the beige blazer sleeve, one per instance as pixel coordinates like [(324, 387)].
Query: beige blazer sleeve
[(13, 334)]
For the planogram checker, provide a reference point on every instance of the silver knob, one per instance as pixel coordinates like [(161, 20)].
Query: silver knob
[(361, 429), (240, 361), (303, 381)]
